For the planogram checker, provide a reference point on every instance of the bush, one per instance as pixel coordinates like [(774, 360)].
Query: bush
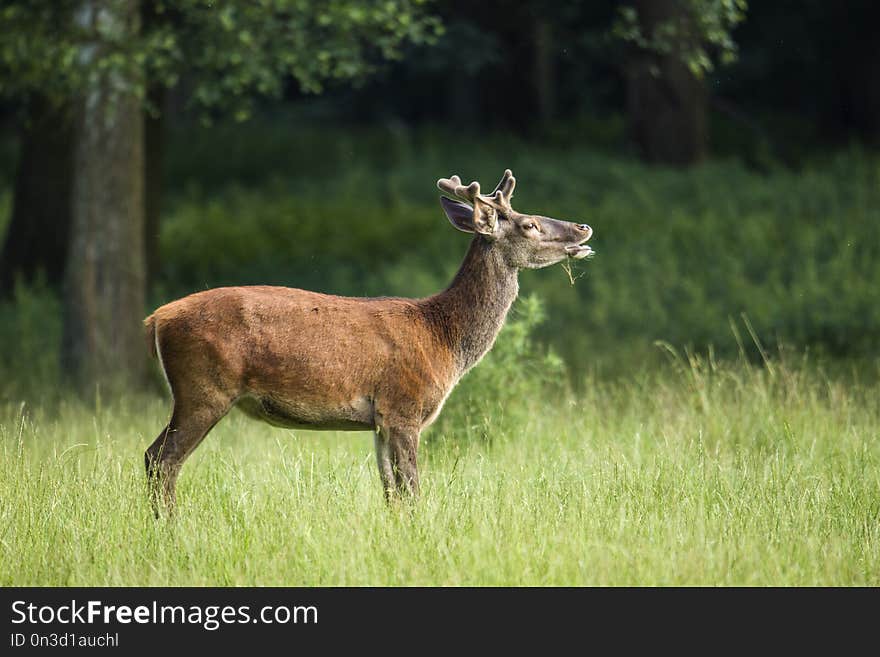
[(30, 332)]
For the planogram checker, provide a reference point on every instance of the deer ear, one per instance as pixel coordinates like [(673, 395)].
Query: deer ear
[(460, 215)]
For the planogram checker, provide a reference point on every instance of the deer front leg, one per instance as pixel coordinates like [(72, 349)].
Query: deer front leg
[(397, 457), (404, 455), (383, 460)]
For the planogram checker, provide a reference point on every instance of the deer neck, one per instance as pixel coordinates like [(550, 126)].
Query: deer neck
[(469, 313)]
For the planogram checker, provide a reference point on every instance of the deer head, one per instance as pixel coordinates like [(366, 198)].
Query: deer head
[(525, 240)]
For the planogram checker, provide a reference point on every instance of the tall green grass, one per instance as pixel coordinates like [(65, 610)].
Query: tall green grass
[(697, 473)]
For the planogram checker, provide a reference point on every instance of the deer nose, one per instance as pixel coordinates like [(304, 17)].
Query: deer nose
[(586, 229)]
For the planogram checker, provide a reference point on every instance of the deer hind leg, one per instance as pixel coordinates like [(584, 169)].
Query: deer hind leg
[(163, 459)]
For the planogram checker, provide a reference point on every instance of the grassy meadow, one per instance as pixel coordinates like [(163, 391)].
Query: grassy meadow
[(627, 429), (696, 474)]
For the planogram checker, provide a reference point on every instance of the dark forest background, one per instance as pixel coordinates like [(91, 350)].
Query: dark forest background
[(724, 153)]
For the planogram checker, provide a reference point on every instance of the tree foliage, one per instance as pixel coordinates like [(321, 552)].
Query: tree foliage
[(228, 51), (698, 34)]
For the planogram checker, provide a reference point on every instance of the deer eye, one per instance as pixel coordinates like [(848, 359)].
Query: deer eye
[(530, 226)]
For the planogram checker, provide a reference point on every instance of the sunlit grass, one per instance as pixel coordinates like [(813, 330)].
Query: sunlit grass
[(699, 474)]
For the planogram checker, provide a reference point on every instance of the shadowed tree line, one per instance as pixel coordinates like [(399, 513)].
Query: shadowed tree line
[(91, 83)]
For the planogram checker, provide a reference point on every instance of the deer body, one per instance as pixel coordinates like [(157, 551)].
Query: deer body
[(302, 359), (276, 359)]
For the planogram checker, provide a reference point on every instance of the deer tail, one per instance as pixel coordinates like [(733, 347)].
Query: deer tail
[(150, 334)]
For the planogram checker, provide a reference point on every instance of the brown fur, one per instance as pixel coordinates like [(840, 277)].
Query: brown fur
[(302, 359)]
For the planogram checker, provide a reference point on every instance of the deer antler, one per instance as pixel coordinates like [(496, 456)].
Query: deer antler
[(453, 187), (504, 190), (500, 196)]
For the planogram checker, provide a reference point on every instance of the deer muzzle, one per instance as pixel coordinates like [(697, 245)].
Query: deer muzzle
[(579, 249)]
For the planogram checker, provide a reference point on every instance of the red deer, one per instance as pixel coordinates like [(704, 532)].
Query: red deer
[(307, 360)]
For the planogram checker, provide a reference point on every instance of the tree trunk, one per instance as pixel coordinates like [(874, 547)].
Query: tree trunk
[(36, 239), (104, 280), (154, 143), (154, 147), (666, 103), (545, 80), (859, 100)]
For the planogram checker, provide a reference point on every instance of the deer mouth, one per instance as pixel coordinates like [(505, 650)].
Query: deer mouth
[(579, 251)]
